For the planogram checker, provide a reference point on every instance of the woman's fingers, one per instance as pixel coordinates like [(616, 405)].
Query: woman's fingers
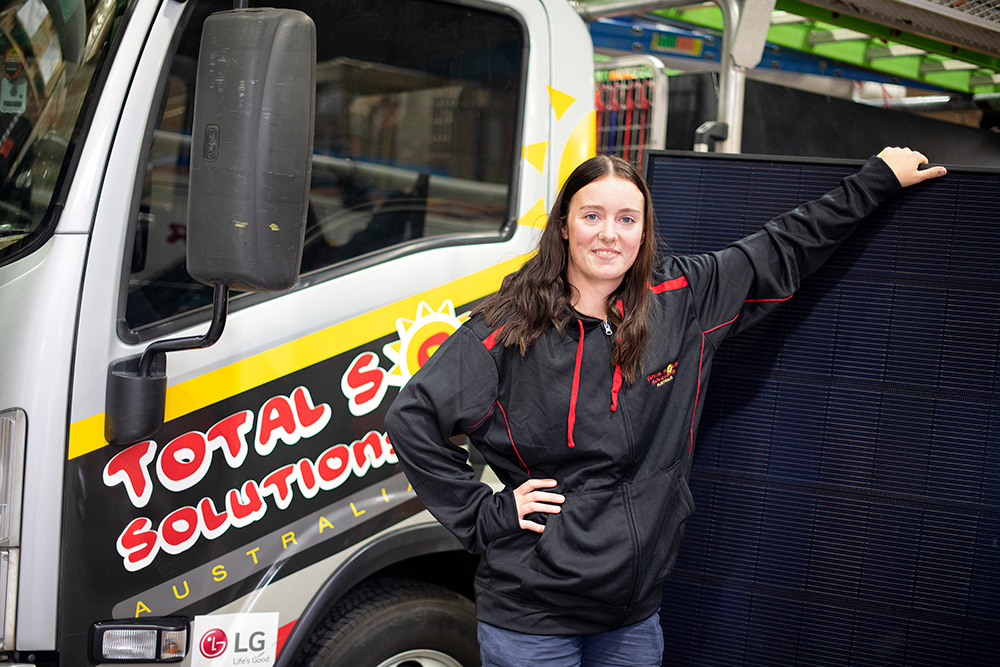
[(532, 484), (540, 502), (905, 164), (532, 526), (529, 499)]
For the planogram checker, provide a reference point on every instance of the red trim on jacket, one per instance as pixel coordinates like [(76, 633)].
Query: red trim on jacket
[(491, 340), (616, 386), (507, 424), (571, 419), (616, 381), (476, 425), (669, 285), (784, 298)]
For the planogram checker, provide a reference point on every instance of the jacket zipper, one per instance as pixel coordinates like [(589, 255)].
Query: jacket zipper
[(627, 496), (629, 510), (636, 556)]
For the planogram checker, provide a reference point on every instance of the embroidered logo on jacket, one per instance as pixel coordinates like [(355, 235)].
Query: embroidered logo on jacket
[(660, 378)]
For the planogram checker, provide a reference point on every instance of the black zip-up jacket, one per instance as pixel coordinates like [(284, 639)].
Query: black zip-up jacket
[(621, 454)]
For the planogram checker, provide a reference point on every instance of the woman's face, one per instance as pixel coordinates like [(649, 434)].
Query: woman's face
[(604, 230)]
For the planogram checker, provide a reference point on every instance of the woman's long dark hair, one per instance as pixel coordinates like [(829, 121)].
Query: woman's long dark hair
[(538, 296)]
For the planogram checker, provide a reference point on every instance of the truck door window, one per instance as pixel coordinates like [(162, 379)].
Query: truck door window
[(416, 120)]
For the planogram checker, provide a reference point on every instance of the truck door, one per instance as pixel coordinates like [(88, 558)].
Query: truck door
[(273, 464)]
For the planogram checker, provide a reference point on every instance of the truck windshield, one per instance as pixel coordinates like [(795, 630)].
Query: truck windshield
[(50, 49)]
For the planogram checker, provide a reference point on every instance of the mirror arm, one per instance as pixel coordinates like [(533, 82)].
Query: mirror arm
[(220, 308), (137, 386)]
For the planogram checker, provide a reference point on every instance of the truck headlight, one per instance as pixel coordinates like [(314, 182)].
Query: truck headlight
[(13, 429), (162, 639)]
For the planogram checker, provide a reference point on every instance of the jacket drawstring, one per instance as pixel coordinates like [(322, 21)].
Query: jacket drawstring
[(571, 420), (616, 385), (616, 381)]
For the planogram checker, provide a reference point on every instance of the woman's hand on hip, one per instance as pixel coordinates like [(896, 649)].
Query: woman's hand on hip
[(529, 499)]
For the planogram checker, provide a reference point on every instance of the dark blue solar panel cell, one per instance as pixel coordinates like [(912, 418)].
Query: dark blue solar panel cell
[(984, 590), (808, 320), (891, 552), (904, 429), (991, 463), (932, 643), (925, 228), (746, 443), (976, 233), (794, 455), (878, 640), (847, 452), (943, 572), (824, 626), (724, 615), (958, 450), (970, 339), (915, 316), (980, 645), (735, 524), (837, 549), (847, 472), (785, 540), (773, 629)]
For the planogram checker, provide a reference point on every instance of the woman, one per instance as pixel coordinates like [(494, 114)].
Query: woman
[(581, 382)]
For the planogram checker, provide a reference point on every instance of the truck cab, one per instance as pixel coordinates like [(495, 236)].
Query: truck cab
[(270, 493)]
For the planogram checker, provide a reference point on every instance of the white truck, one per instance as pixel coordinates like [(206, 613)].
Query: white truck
[(270, 498), (252, 511)]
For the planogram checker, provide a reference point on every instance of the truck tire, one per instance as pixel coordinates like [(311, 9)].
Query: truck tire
[(397, 623)]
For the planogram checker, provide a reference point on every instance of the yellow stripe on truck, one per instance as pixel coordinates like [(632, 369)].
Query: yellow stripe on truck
[(87, 435)]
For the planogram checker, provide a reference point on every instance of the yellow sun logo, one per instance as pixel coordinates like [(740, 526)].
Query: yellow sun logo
[(419, 338)]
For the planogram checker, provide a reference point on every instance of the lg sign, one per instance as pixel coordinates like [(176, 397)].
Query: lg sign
[(213, 643), (232, 640)]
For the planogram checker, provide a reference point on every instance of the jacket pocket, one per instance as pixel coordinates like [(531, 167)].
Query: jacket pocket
[(661, 505), (585, 557)]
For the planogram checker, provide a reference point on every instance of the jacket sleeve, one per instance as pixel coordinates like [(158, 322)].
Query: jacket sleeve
[(453, 392), (739, 285)]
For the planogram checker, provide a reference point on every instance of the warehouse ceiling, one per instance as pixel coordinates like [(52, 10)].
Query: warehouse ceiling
[(948, 44)]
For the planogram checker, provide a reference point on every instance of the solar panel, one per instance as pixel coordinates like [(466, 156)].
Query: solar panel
[(847, 469)]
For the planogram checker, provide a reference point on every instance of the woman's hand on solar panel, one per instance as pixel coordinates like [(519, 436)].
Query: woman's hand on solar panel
[(909, 166), (529, 500)]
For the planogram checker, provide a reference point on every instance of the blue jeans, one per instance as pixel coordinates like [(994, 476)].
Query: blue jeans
[(639, 645)]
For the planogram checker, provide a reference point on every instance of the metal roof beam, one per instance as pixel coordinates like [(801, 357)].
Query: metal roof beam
[(838, 35), (946, 66), (779, 17), (893, 51), (977, 80)]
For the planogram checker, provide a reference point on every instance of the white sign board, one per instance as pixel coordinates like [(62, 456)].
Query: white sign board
[(227, 640)]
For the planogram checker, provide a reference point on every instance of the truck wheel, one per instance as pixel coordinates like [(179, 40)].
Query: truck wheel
[(397, 623)]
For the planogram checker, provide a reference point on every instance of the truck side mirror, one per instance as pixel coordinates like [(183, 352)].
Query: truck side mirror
[(251, 149), (251, 161)]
